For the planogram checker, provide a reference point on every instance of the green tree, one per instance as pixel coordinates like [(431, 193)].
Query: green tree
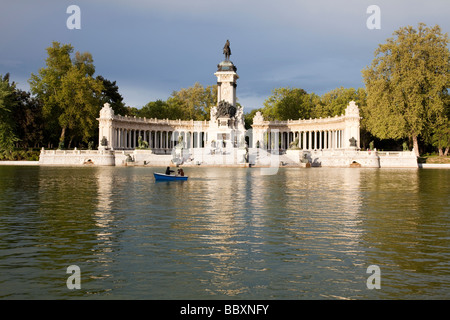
[(334, 102), (71, 97), (248, 118), (84, 61), (110, 94), (441, 139), (440, 136), (287, 103), (156, 109), (29, 123), (193, 103), (210, 100), (407, 84), (7, 103), (79, 98)]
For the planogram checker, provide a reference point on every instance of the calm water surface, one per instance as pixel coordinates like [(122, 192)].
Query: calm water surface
[(227, 233)]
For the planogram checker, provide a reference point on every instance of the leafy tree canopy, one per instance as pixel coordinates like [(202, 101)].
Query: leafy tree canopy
[(7, 104), (71, 97), (407, 84)]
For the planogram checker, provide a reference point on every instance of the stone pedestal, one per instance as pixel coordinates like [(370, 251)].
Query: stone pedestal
[(226, 82), (226, 127)]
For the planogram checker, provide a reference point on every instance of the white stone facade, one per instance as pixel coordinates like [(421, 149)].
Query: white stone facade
[(312, 134), (161, 135), (223, 141)]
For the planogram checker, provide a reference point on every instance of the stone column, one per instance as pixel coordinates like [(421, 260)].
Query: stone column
[(304, 140), (130, 138), (310, 140), (161, 139), (337, 139), (329, 146), (167, 140), (320, 141), (151, 143), (111, 137), (339, 133), (331, 139)]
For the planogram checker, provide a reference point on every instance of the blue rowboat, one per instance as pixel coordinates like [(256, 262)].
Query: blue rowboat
[(166, 177)]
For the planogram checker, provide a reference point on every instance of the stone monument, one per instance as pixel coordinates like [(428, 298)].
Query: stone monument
[(227, 119)]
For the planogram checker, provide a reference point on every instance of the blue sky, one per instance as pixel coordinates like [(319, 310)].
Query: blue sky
[(152, 48)]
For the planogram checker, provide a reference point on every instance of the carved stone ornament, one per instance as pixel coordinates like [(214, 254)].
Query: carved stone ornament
[(225, 110), (352, 109), (258, 118), (107, 112)]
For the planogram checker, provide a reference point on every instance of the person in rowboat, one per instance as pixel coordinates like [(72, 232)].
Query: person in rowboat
[(168, 171)]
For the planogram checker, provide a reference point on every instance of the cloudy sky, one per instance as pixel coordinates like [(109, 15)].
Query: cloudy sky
[(152, 48)]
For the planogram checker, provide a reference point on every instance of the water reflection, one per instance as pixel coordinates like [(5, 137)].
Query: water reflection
[(267, 221), (400, 235), (104, 218), (214, 218), (225, 233), (105, 184)]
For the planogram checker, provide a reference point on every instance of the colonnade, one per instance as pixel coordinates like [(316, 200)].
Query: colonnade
[(123, 138), (307, 139), (339, 132)]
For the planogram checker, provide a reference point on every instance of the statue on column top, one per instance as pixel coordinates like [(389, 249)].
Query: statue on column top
[(227, 50)]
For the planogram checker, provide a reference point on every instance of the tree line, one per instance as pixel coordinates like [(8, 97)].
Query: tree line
[(405, 101)]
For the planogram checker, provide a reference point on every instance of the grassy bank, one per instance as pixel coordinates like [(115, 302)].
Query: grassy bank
[(19, 155), (433, 158)]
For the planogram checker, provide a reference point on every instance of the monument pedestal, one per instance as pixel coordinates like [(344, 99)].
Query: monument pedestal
[(226, 128)]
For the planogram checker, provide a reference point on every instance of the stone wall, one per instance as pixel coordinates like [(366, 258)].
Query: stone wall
[(344, 158), (398, 159), (77, 157), (232, 156)]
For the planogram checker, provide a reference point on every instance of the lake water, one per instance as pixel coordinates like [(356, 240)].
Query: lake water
[(226, 233)]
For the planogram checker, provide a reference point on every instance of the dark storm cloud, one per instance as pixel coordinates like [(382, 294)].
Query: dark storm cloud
[(152, 48)]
